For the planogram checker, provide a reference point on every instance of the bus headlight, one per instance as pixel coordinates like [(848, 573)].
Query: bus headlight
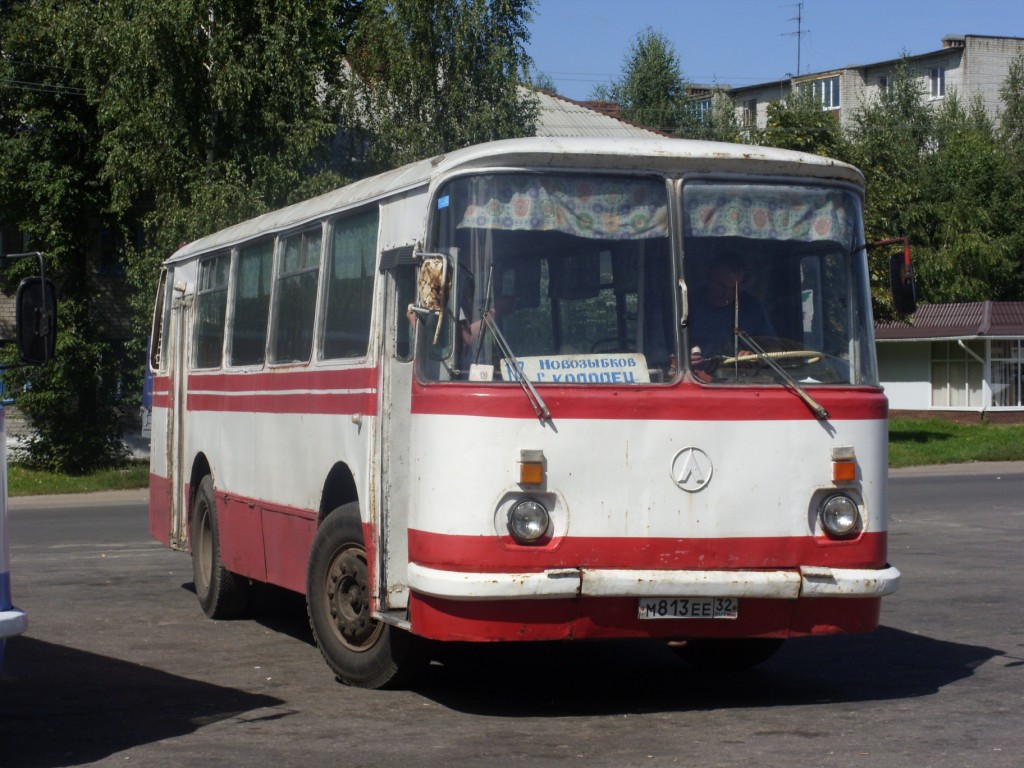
[(839, 515), (528, 521)]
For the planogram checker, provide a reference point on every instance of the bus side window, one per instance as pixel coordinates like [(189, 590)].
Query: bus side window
[(156, 345), (405, 292), (295, 297), (351, 270), (211, 311), (251, 296)]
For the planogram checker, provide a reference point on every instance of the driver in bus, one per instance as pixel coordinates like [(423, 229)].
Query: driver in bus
[(713, 314)]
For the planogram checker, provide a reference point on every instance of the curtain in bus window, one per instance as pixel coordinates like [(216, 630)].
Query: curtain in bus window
[(606, 209), (295, 299), (211, 310), (349, 300), (251, 304), (770, 213)]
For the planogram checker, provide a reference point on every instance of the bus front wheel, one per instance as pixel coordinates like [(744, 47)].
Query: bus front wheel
[(360, 650), (222, 594)]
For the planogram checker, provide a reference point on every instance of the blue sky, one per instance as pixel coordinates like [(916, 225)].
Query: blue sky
[(581, 43)]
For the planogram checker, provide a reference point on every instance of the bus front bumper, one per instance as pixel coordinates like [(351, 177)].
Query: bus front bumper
[(805, 582)]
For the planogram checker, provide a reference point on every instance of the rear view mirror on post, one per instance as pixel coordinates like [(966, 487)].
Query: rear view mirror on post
[(901, 276), (36, 320), (901, 279), (35, 316)]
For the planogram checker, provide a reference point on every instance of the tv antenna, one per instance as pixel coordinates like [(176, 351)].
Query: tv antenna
[(800, 31)]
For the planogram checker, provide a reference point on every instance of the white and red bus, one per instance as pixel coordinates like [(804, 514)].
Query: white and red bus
[(538, 389)]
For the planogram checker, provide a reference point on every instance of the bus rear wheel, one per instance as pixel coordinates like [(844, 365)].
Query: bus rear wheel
[(361, 651), (727, 654), (222, 594)]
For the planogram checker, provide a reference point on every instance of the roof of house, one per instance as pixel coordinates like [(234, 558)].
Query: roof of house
[(560, 116), (953, 321)]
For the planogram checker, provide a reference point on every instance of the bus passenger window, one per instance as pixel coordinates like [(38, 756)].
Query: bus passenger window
[(251, 294), (211, 310), (295, 299), (351, 267)]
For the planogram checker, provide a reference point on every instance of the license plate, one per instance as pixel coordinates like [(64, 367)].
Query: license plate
[(689, 608)]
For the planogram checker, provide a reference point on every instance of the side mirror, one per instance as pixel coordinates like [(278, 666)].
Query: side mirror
[(901, 281), (901, 276), (432, 286), (432, 294), (36, 320)]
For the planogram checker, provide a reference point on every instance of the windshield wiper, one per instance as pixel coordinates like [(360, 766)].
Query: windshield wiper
[(816, 408), (539, 406)]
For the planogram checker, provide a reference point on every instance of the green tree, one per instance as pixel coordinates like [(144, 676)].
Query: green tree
[(169, 116), (970, 211), (798, 122), (652, 89), (1011, 121), (430, 76), (888, 142)]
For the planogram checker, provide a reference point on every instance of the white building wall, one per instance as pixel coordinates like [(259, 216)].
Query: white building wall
[(986, 64), (905, 370), (977, 68)]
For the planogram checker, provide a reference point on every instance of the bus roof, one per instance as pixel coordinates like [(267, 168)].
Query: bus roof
[(653, 154)]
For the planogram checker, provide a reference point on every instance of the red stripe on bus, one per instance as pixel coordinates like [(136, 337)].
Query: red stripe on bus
[(290, 379), (501, 555), (682, 402)]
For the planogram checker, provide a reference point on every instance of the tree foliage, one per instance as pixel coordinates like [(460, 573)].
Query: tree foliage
[(652, 89), (431, 76), (798, 122), (128, 128)]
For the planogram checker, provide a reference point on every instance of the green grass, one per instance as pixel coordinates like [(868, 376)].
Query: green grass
[(912, 442), (31, 482), (917, 442)]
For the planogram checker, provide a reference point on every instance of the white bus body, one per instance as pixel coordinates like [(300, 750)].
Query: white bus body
[(321, 423)]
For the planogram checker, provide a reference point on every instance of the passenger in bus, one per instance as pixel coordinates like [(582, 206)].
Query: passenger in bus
[(713, 314)]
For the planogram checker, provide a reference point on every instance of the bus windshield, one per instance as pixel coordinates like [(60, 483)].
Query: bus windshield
[(571, 279), (777, 279), (575, 272)]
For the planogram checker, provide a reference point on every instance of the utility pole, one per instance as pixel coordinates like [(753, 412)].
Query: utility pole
[(800, 31)]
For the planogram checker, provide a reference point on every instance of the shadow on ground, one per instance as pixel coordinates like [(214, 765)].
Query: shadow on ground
[(62, 707), (623, 677)]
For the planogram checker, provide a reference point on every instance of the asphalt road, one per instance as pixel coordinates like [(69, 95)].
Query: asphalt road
[(119, 667)]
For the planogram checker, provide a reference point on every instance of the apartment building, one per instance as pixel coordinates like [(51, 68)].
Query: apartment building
[(969, 65)]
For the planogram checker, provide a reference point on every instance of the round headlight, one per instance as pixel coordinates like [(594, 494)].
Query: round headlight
[(840, 515), (528, 521)]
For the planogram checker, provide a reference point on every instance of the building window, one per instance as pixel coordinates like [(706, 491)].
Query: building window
[(750, 113), (826, 91), (937, 78), (1008, 373), (957, 374), (701, 109), (883, 83)]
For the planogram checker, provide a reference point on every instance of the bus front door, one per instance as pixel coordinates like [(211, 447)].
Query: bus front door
[(177, 369)]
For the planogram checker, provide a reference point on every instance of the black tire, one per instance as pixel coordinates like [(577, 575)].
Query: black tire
[(727, 655), (362, 651), (222, 594)]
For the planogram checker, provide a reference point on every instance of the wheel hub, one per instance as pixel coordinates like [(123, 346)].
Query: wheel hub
[(348, 598)]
